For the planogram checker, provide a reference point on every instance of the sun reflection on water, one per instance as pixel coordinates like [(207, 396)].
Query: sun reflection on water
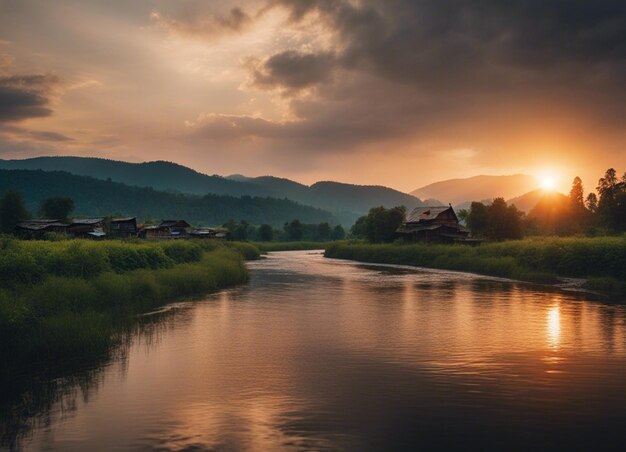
[(554, 325)]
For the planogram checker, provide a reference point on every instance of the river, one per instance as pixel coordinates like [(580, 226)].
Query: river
[(318, 354)]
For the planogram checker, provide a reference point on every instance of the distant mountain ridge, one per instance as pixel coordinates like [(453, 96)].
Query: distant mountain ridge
[(95, 197), (462, 191), (345, 201)]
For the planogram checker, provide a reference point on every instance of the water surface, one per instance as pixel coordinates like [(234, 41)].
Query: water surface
[(324, 354)]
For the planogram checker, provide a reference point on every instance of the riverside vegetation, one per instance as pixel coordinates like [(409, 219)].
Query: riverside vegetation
[(67, 299), (599, 260)]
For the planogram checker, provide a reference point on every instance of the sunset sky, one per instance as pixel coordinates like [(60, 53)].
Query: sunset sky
[(399, 93)]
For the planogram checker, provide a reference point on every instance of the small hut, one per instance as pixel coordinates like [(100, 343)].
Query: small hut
[(87, 228), (123, 227), (35, 229), (167, 229), (432, 224)]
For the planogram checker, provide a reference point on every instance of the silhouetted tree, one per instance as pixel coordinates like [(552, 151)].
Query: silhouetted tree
[(477, 219), (12, 211), (265, 233), (612, 202), (56, 208), (577, 193), (505, 222), (339, 233), (592, 202)]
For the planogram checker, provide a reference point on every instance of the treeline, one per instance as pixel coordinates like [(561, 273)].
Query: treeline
[(555, 214), (293, 231), (94, 197)]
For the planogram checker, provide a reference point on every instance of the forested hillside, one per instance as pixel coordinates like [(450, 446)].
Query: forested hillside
[(346, 202), (100, 197)]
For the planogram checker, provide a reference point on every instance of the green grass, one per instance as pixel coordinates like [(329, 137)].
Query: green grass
[(266, 247), (601, 260), (66, 299)]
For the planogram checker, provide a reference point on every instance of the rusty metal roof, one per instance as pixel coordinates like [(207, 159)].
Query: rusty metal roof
[(426, 213)]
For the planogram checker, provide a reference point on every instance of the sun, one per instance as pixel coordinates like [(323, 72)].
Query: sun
[(548, 183)]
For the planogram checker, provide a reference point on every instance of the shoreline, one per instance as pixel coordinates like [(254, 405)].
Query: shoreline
[(508, 260)]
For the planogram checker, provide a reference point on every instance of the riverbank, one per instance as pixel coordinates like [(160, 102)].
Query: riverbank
[(66, 300), (601, 261), (266, 247)]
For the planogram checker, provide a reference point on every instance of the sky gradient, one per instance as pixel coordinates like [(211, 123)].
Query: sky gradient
[(398, 93)]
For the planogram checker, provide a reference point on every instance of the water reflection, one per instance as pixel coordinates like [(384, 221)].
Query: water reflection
[(554, 326), (322, 354)]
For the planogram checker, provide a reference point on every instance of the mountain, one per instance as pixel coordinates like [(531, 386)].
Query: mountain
[(527, 201), (160, 175), (345, 201), (94, 197), (458, 191)]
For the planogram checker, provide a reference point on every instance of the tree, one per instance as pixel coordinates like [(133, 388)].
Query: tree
[(323, 231), (339, 233), (612, 202), (56, 208), (381, 224), (240, 232), (357, 231), (592, 202), (477, 219), (266, 233), (12, 211), (293, 230), (504, 222), (576, 194)]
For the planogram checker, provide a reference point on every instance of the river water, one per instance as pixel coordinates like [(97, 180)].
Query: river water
[(318, 354)]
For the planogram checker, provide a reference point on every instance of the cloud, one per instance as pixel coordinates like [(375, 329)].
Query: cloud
[(26, 96), (293, 70), (205, 26)]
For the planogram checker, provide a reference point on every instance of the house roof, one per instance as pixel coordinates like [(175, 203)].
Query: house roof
[(89, 221), (426, 213), (40, 225), (174, 224), (123, 220)]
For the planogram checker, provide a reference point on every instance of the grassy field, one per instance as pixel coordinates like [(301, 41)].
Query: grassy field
[(266, 247), (67, 298), (600, 260)]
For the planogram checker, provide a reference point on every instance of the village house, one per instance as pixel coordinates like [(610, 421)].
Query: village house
[(38, 228), (123, 227), (434, 224), (208, 233), (87, 228), (167, 229)]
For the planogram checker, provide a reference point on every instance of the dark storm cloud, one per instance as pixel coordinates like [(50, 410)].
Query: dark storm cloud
[(440, 43), (293, 70), (439, 67), (26, 96)]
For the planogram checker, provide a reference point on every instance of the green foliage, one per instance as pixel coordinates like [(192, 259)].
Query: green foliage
[(265, 233), (536, 259), (56, 208), (339, 233), (62, 299), (12, 211), (293, 231), (94, 197), (381, 224), (358, 230), (496, 221)]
